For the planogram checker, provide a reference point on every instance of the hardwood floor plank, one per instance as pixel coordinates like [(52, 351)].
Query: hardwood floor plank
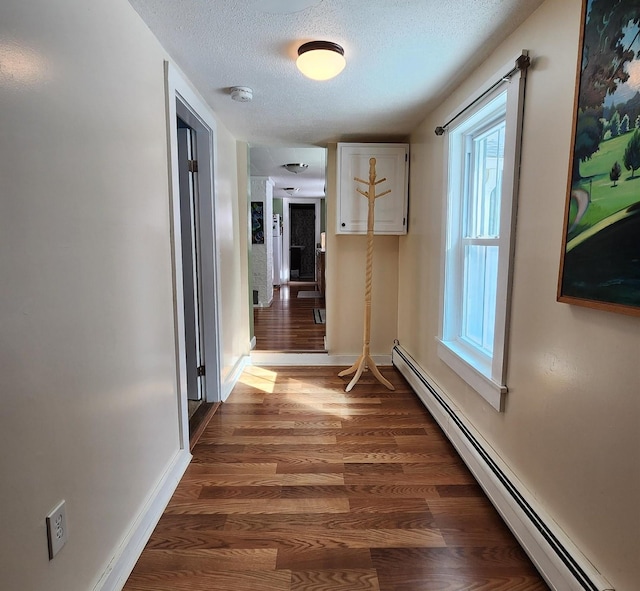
[(381, 506), (271, 480), (189, 523), (432, 474), (296, 485), (458, 580), (288, 523), (310, 467), (335, 580), (431, 559), (208, 560), (332, 559), (229, 506), (259, 580), (232, 468), (373, 469), (240, 492), (272, 440), (387, 458)]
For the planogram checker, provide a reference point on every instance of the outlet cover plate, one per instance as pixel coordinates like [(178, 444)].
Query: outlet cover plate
[(57, 529)]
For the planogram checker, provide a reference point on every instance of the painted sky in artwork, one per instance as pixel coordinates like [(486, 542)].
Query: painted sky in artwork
[(628, 90)]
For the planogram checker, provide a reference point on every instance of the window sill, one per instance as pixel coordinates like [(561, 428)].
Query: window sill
[(474, 372)]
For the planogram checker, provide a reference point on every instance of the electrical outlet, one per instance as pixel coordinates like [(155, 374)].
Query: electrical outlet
[(57, 533)]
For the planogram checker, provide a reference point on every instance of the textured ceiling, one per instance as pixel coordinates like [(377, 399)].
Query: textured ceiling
[(270, 160), (402, 58)]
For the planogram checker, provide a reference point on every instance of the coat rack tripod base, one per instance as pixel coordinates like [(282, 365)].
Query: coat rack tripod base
[(365, 361)]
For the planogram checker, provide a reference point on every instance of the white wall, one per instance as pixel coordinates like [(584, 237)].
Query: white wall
[(231, 232), (89, 403), (244, 300), (570, 429), (262, 254)]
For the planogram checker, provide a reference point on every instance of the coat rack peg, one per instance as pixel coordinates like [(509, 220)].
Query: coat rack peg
[(365, 361)]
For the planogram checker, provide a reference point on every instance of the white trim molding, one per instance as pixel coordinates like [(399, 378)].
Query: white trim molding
[(496, 108), (482, 383), (131, 547), (560, 562), (232, 378), (183, 99)]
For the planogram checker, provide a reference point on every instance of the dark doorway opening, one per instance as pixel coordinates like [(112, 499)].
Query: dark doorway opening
[(302, 220)]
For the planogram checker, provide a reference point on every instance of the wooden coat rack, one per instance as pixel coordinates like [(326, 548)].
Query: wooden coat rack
[(365, 361)]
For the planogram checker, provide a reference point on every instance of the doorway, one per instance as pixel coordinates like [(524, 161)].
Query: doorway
[(293, 321), (196, 286), (302, 237), (197, 236), (191, 257)]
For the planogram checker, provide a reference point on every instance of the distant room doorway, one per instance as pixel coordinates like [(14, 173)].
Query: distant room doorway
[(302, 249)]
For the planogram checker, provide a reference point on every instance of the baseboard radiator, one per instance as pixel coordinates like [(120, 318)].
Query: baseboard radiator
[(556, 557)]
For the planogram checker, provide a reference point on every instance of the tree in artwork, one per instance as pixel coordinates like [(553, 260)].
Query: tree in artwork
[(614, 175), (632, 153)]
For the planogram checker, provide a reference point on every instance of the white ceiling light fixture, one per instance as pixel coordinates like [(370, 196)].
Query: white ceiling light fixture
[(296, 167), (291, 190), (242, 94), (320, 60)]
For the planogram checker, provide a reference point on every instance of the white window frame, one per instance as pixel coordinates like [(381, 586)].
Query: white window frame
[(485, 374)]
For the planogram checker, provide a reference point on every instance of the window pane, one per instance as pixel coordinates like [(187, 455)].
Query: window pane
[(484, 183), (480, 286)]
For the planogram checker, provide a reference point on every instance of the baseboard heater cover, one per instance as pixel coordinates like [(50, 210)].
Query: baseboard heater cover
[(559, 561)]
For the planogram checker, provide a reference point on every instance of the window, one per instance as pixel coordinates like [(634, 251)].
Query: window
[(482, 159)]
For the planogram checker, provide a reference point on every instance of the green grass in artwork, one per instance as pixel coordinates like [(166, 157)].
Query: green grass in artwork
[(605, 198)]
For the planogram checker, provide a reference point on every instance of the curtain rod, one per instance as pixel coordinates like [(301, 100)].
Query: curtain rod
[(522, 63)]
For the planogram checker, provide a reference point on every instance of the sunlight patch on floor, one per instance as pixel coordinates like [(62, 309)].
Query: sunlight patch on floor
[(303, 394), (260, 378)]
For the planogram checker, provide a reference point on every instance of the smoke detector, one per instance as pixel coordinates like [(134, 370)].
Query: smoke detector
[(242, 94)]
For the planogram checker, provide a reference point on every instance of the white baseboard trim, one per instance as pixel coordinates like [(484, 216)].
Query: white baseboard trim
[(127, 554), (234, 375), (559, 561), (277, 358)]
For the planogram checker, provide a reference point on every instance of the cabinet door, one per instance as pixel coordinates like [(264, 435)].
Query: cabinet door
[(391, 209)]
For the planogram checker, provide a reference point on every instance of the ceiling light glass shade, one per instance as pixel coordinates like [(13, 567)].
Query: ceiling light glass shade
[(296, 167), (320, 60)]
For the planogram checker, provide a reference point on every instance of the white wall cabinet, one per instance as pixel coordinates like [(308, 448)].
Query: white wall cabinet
[(392, 163)]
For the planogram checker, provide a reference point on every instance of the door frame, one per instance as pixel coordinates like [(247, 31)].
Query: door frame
[(191, 259), (286, 227), (182, 100)]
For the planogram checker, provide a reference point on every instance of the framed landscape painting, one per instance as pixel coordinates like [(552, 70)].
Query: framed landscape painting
[(600, 263)]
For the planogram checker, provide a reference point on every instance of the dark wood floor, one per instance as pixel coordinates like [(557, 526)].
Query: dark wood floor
[(288, 324), (296, 485)]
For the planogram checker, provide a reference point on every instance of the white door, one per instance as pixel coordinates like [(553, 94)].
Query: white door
[(189, 226)]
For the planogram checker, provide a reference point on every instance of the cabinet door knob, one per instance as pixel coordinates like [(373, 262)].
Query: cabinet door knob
[(343, 224)]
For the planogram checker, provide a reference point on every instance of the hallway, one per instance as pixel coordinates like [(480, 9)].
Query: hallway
[(296, 485), (288, 324)]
